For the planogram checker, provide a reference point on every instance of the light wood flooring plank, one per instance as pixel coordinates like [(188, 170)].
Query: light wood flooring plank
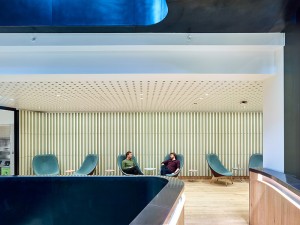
[(214, 203)]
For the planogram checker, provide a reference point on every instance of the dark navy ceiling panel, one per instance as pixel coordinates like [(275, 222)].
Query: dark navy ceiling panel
[(25, 12), (182, 16), (82, 12)]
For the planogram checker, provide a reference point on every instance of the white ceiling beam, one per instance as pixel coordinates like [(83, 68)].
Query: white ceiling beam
[(165, 39), (138, 56)]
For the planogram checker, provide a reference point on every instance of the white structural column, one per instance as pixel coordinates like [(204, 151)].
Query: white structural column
[(273, 117)]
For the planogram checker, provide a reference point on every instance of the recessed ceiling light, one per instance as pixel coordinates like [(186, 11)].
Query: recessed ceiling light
[(141, 94), (200, 98), (66, 99), (57, 95), (206, 94), (11, 99), (243, 103)]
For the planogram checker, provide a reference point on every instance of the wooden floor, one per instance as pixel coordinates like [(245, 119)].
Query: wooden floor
[(214, 203)]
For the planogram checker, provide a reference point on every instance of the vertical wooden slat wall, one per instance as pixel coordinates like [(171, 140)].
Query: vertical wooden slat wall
[(233, 136)]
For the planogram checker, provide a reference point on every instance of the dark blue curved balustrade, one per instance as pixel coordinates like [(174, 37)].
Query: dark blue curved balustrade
[(82, 12), (78, 200)]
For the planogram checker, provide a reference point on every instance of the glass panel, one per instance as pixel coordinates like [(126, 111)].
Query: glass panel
[(6, 142)]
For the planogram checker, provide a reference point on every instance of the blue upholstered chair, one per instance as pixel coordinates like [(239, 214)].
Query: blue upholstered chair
[(121, 157), (88, 166), (217, 168), (45, 165), (256, 161), (181, 160)]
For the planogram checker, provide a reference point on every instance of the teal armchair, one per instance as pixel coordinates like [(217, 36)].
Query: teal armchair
[(256, 161), (45, 165), (88, 166), (121, 157), (217, 168)]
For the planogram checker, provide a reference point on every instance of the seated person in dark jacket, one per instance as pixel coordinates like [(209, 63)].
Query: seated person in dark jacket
[(170, 166), (128, 165)]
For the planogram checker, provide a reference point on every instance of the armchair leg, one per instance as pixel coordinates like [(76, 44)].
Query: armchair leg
[(213, 178)]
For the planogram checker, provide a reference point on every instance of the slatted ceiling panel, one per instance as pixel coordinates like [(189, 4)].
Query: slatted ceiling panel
[(133, 96), (71, 136)]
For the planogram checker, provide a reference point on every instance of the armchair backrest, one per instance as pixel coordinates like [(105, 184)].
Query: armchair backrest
[(45, 165), (88, 166), (256, 161), (215, 163)]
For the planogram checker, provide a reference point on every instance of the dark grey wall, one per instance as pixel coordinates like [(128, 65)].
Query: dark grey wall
[(292, 97)]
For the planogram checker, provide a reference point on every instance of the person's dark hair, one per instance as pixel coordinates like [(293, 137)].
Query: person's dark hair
[(173, 154), (127, 153)]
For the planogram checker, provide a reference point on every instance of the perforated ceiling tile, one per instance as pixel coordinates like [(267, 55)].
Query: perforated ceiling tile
[(133, 95)]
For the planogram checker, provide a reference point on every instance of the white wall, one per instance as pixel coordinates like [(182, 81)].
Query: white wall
[(273, 117), (6, 117)]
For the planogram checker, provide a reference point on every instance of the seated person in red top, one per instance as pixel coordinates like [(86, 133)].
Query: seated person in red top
[(171, 165)]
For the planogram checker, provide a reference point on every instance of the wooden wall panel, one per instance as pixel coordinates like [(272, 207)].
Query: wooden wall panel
[(71, 136), (269, 204)]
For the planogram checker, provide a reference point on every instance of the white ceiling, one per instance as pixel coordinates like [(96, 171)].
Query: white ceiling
[(132, 96), (137, 72)]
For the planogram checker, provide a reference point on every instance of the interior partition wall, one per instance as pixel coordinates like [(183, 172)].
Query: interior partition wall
[(291, 98), (234, 136)]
